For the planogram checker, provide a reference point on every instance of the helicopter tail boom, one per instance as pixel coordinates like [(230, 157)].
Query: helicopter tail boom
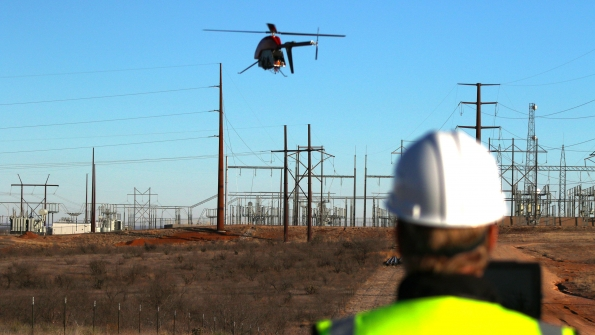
[(289, 45)]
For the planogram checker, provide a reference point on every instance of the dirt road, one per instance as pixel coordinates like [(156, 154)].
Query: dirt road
[(378, 290), (557, 308)]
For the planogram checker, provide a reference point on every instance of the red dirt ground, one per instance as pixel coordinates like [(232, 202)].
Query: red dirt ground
[(566, 255), (29, 235), (182, 237)]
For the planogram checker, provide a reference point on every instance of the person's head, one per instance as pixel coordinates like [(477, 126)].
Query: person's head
[(447, 198)]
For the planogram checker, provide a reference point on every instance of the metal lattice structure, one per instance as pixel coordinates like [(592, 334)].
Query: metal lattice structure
[(532, 213), (143, 214), (562, 184)]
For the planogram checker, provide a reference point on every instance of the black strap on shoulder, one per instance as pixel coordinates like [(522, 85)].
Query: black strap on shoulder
[(547, 329), (343, 326)]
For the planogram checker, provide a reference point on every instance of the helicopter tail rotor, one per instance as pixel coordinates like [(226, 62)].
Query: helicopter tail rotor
[(316, 56)]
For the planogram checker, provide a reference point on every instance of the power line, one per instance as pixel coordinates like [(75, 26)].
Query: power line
[(566, 110), (569, 118), (107, 120), (104, 146), (547, 116), (505, 117), (451, 114), (567, 146), (512, 109), (552, 69), (130, 135), (104, 96), (558, 82), (247, 146), (169, 159), (103, 71), (434, 110), (516, 136), (118, 162)]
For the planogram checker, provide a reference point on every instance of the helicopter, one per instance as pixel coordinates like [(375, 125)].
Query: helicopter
[(269, 53)]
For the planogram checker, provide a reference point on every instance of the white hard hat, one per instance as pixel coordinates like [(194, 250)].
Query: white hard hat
[(447, 179)]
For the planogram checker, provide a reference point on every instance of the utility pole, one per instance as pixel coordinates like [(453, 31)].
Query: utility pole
[(353, 224), (220, 189), (225, 201), (22, 195), (365, 185), (478, 127), (93, 199), (285, 190), (513, 186), (86, 197), (297, 187), (309, 209)]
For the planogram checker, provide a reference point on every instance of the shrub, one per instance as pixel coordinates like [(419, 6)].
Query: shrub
[(23, 275), (88, 248), (98, 272), (310, 289), (134, 272)]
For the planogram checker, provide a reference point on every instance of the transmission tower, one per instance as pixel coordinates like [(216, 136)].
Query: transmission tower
[(562, 186), (531, 167)]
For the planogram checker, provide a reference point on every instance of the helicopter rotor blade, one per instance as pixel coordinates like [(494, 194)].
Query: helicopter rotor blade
[(272, 32), (238, 31), (272, 28), (308, 34), (244, 70)]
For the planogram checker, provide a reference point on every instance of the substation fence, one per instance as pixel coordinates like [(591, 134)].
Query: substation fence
[(330, 212), (142, 319), (575, 209)]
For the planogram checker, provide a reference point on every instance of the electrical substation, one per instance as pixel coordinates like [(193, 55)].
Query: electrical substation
[(307, 193), (530, 200)]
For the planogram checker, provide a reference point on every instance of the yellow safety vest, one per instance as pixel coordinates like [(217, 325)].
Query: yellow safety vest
[(440, 315)]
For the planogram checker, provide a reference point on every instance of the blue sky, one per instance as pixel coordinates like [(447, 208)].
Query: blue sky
[(392, 78)]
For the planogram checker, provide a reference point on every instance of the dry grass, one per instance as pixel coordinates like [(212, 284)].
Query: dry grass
[(260, 285)]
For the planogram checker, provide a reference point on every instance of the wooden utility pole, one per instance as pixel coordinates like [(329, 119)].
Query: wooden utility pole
[(365, 185), (285, 191), (220, 187), (297, 187), (86, 197), (309, 209), (353, 224), (478, 127), (93, 199)]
